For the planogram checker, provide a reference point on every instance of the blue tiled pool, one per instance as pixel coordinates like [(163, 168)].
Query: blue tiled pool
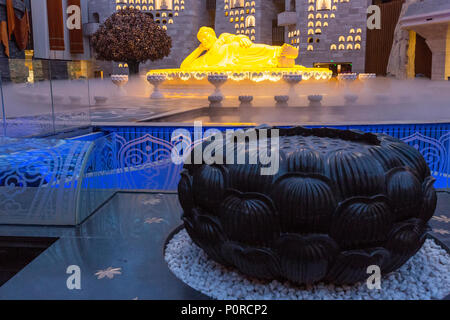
[(115, 158)]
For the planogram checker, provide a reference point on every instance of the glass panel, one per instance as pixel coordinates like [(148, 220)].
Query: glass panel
[(70, 90), (27, 97), (2, 109)]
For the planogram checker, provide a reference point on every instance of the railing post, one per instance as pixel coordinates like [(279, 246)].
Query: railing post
[(3, 106), (51, 95)]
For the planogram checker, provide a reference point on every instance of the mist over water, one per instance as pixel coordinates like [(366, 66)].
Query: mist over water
[(379, 100)]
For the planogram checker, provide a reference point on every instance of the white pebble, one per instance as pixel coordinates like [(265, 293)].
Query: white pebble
[(424, 276)]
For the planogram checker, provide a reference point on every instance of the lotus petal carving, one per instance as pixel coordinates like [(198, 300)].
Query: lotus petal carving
[(249, 218), (305, 202)]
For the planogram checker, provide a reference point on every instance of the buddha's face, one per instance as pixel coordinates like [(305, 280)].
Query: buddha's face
[(207, 37)]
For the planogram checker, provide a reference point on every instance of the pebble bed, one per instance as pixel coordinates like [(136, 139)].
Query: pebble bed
[(425, 276)]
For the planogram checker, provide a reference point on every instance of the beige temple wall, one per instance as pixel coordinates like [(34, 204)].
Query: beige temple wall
[(398, 59), (437, 38), (348, 15), (263, 12), (402, 57)]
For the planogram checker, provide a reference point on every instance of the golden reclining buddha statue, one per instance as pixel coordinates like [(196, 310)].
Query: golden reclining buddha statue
[(233, 54), (231, 51)]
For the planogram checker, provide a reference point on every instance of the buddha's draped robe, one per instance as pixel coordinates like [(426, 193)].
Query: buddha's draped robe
[(227, 53)]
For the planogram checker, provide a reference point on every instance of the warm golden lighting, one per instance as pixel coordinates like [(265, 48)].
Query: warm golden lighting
[(240, 58)]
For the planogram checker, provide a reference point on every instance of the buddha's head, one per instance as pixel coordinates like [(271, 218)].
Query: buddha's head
[(207, 37)]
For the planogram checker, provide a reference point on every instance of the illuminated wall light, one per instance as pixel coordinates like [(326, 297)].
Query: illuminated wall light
[(332, 16), (349, 38), (310, 24), (341, 39), (323, 4), (310, 48), (352, 31), (341, 47), (318, 24), (311, 8), (349, 46), (310, 31), (334, 8), (359, 30), (310, 16), (318, 31), (319, 16), (358, 38), (333, 47), (325, 24), (357, 46)]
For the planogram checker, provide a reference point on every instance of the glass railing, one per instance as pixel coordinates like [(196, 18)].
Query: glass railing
[(44, 97)]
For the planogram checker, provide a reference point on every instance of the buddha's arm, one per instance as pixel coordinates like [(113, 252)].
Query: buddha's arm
[(192, 57), (243, 40)]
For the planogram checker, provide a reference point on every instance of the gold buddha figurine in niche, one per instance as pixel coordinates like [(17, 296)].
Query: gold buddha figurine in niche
[(237, 52)]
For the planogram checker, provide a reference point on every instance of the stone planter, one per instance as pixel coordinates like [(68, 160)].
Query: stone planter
[(281, 100), (350, 98), (292, 80), (341, 202), (120, 81), (215, 101), (246, 101), (75, 100), (99, 100), (217, 80), (315, 99), (156, 81)]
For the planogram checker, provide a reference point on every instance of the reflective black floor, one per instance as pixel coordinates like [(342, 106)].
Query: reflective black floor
[(129, 233), (119, 251)]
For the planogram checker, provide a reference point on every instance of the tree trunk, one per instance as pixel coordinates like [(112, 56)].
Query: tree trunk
[(133, 67)]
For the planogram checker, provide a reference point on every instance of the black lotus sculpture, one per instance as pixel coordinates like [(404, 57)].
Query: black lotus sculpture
[(341, 201)]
